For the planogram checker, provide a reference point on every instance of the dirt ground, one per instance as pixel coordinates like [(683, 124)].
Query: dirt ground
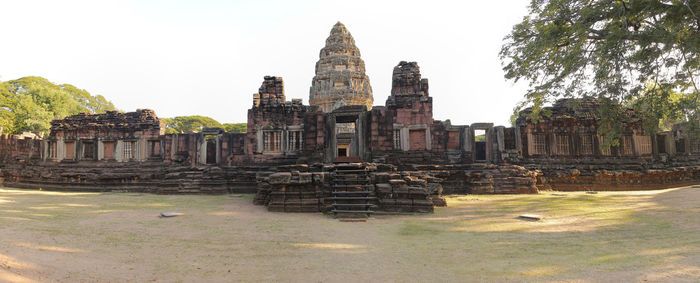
[(641, 236)]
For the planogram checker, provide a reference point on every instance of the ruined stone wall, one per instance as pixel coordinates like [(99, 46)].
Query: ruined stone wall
[(571, 131), (149, 176), (283, 132), (614, 177), (308, 189), (566, 148), (181, 148), (381, 127), (16, 147), (481, 178), (142, 122), (404, 132), (128, 151), (186, 149)]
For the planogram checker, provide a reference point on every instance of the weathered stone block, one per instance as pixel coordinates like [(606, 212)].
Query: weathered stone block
[(305, 178), (280, 178)]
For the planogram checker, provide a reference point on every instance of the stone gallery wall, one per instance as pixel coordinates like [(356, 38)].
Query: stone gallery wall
[(152, 177), (17, 148), (562, 151), (566, 148)]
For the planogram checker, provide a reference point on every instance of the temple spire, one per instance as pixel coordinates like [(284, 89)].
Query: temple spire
[(340, 74)]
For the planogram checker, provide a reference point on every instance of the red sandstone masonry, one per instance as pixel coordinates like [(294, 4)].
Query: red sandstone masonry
[(182, 164)]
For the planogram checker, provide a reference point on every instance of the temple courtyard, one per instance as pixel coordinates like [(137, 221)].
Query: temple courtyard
[(632, 236)]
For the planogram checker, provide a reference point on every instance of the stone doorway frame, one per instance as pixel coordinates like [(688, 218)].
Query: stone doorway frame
[(348, 114), (202, 145), (488, 129)]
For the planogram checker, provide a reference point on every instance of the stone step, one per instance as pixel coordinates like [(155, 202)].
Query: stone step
[(353, 198), (351, 192), (351, 171), (353, 204), (352, 186), (351, 211)]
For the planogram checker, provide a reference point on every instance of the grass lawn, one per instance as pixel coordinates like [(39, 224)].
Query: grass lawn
[(106, 237)]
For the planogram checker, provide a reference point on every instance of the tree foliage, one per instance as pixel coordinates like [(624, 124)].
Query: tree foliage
[(30, 103), (240, 128), (195, 123), (639, 53), (184, 124)]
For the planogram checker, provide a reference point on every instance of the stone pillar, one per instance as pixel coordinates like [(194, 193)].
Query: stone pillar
[(202, 149), (499, 138), (489, 144), (100, 149), (428, 139), (60, 149), (142, 149), (218, 149), (44, 150), (173, 146), (259, 140), (283, 139), (405, 139), (670, 144), (500, 142), (518, 141), (332, 151), (468, 139), (119, 151)]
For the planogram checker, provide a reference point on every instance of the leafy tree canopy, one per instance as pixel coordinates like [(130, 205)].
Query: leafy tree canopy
[(184, 124), (195, 123), (637, 53), (30, 103), (236, 127)]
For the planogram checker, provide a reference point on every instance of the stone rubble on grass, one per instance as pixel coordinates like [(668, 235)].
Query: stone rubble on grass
[(170, 214)]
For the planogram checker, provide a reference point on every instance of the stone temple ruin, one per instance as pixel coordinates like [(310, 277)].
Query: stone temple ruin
[(342, 154)]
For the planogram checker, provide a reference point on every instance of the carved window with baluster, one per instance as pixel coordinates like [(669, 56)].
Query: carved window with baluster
[(272, 141), (397, 138), (294, 141)]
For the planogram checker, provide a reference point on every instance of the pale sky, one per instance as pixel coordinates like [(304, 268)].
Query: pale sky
[(209, 57)]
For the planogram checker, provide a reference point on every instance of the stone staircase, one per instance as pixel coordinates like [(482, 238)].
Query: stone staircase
[(352, 191)]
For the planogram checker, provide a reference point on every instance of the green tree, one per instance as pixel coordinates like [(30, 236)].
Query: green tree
[(30, 103), (240, 128), (661, 106), (633, 53), (184, 124)]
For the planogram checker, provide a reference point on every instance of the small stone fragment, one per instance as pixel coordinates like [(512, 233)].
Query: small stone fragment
[(171, 214), (531, 217)]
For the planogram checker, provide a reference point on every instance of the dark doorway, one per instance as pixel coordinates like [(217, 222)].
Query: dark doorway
[(211, 151), (88, 150), (480, 145), (346, 136), (480, 151), (661, 143)]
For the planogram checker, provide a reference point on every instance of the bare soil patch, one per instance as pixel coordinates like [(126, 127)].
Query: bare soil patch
[(118, 237)]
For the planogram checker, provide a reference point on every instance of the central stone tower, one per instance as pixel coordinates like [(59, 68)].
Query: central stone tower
[(340, 74)]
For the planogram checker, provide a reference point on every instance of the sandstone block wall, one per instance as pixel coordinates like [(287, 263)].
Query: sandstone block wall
[(310, 190), (151, 177)]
